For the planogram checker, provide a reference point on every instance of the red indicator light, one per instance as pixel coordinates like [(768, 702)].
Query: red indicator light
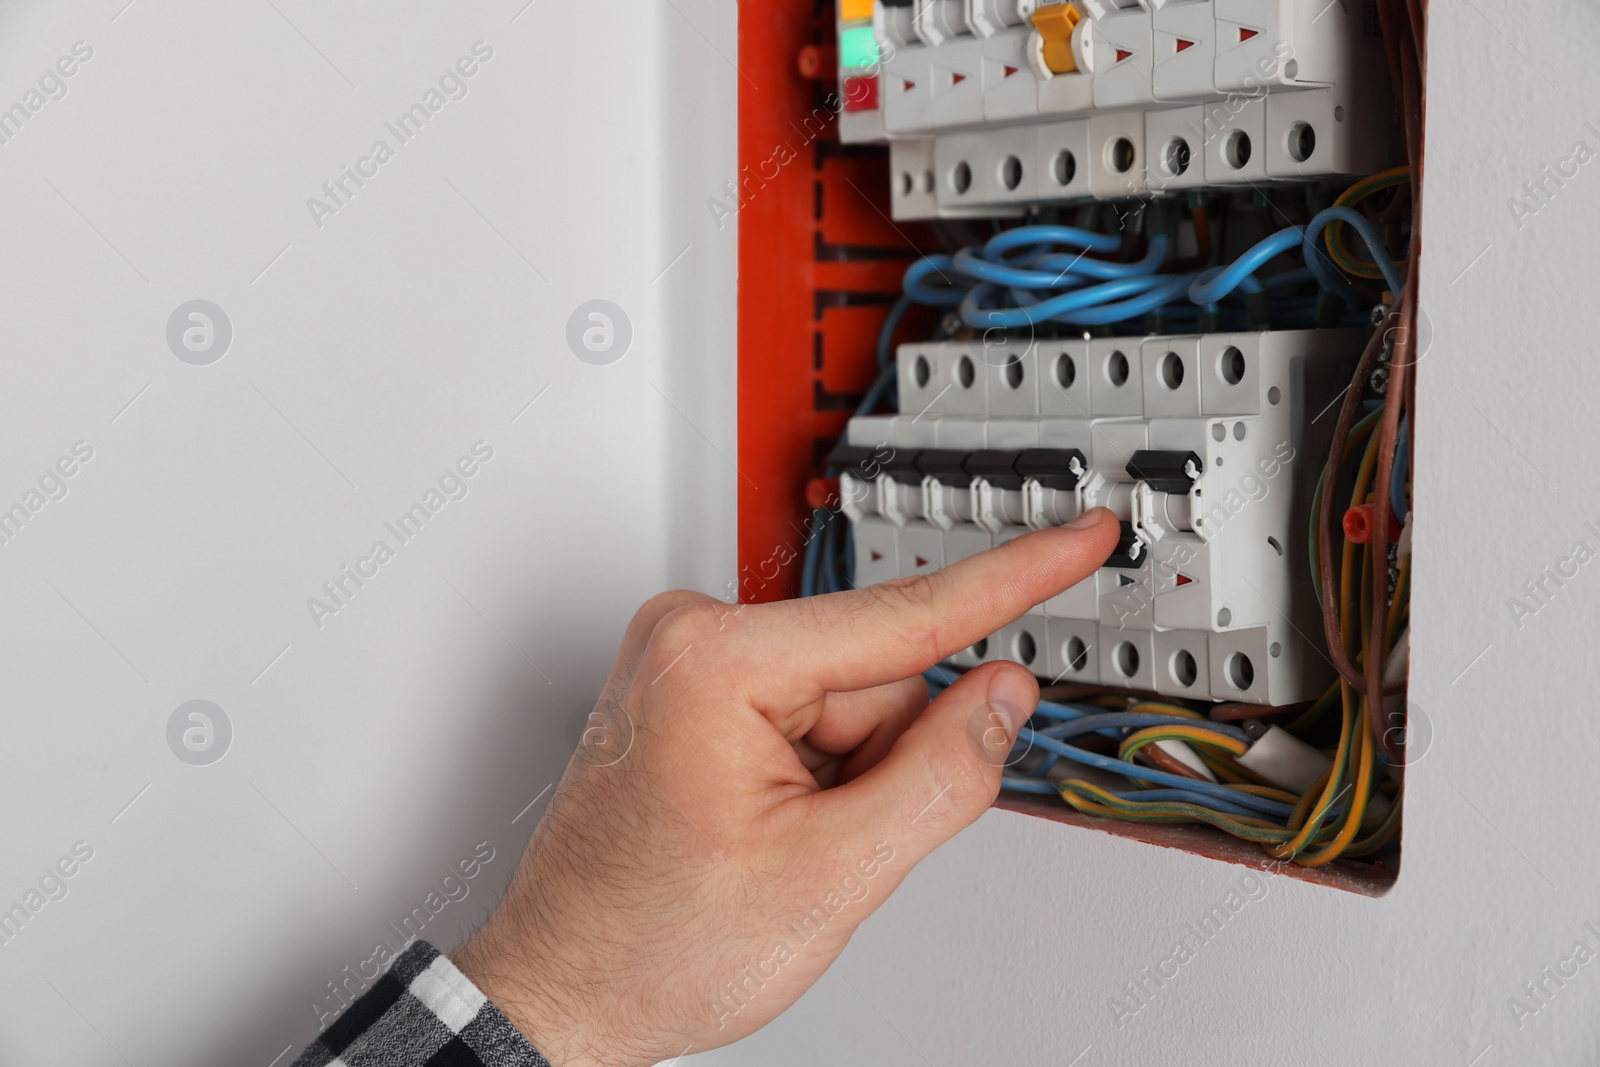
[(861, 94)]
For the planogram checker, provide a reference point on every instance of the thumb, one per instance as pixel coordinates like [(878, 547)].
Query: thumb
[(941, 774)]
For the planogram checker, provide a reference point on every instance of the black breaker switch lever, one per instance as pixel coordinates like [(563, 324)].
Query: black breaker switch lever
[(1053, 468), (855, 460), (995, 466), (1130, 551), (1165, 471), (944, 465)]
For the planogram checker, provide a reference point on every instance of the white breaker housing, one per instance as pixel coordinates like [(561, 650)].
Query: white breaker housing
[(1206, 447), (1167, 95)]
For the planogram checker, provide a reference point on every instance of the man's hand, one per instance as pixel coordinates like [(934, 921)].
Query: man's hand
[(755, 782)]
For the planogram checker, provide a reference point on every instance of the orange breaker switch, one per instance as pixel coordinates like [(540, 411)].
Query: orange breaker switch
[(1055, 23)]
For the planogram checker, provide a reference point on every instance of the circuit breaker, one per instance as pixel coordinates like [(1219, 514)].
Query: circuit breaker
[(1208, 448), (977, 98)]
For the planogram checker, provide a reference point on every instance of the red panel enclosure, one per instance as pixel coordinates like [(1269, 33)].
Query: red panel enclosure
[(820, 262)]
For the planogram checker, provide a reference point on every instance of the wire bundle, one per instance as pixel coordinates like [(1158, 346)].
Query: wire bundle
[(1030, 275), (1328, 821)]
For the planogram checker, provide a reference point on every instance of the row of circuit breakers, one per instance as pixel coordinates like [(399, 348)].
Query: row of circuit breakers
[(988, 105), (1208, 449)]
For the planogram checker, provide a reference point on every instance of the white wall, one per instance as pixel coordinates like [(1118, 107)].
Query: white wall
[(406, 729), (370, 754), (1005, 947)]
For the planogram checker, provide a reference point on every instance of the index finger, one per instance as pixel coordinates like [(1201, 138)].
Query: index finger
[(867, 637)]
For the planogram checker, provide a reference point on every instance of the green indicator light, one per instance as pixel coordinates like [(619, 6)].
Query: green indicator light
[(858, 48)]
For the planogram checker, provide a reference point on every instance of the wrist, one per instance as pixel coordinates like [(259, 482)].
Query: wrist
[(516, 976)]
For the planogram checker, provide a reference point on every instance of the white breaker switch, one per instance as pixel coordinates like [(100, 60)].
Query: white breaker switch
[(1206, 449)]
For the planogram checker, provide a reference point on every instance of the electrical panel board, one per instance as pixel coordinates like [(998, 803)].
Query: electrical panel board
[(991, 104), (1206, 447), (1165, 257)]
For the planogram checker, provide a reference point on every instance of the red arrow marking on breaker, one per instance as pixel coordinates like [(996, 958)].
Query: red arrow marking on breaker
[(1010, 71), (1182, 44), (876, 556), (1123, 53), (957, 79), (921, 562), (1184, 579), (1246, 34)]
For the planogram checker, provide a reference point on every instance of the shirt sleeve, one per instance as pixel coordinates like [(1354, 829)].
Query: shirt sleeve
[(423, 1013)]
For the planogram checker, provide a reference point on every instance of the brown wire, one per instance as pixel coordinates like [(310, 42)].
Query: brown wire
[(1398, 206), (1064, 691), (1405, 59), (1237, 712), (1171, 764), (1326, 517)]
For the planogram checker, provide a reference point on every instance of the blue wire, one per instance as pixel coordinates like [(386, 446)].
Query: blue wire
[(917, 289), (1212, 792), (849, 560), (829, 565), (1066, 712), (1046, 788), (1399, 473), (1056, 306), (1113, 723), (1087, 718), (832, 576), (808, 572), (1375, 246), (891, 323), (1129, 309), (1027, 785), (1211, 287), (1058, 235), (823, 554), (874, 395), (1053, 270), (1137, 720), (1188, 796), (1022, 269)]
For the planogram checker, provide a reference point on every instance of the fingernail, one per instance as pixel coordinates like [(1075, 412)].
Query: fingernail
[(1015, 693), (1087, 519)]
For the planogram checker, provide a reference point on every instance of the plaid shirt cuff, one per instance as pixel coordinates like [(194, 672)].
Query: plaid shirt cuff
[(423, 1013)]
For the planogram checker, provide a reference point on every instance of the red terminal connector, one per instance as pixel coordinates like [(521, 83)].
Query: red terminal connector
[(1358, 523), (822, 493), (819, 61)]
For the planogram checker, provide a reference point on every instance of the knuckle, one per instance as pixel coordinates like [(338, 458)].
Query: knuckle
[(685, 625), (912, 605), (652, 611), (968, 783)]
